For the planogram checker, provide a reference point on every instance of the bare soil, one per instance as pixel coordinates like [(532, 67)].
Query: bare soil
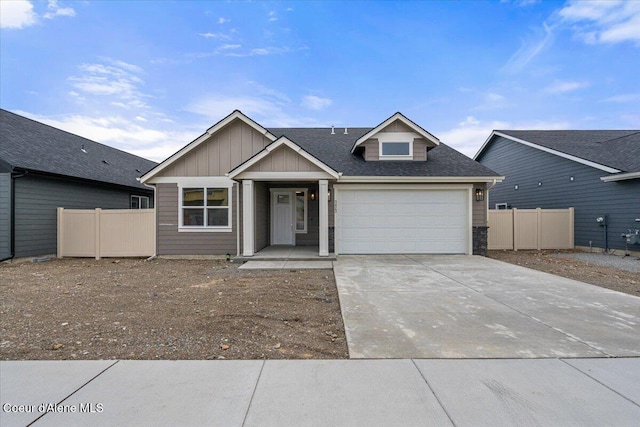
[(553, 262), (166, 309)]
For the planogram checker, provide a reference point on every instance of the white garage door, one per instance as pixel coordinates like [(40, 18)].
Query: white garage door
[(402, 221)]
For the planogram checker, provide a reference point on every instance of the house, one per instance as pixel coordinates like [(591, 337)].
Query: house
[(597, 172), (392, 188), (43, 168)]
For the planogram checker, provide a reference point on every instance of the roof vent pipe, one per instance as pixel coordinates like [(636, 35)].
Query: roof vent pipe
[(345, 131), (333, 130)]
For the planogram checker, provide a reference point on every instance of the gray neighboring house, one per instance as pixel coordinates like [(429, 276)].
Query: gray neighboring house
[(43, 168), (391, 188), (595, 171)]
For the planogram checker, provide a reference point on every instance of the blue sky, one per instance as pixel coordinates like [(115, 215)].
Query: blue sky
[(149, 76)]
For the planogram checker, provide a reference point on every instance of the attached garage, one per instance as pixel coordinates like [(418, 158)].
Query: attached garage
[(397, 219)]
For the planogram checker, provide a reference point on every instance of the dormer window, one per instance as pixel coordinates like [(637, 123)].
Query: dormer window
[(396, 150)]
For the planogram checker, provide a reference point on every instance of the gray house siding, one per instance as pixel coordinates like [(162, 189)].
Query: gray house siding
[(37, 199), (170, 241), (526, 167), (5, 215)]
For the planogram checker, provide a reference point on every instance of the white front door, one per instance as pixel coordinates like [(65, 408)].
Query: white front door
[(282, 230)]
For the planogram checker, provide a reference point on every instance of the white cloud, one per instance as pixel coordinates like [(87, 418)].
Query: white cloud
[(17, 14), (55, 10), (222, 20), (626, 97), (604, 21), (530, 49), (469, 135), (316, 102), (273, 16), (218, 36), (565, 86)]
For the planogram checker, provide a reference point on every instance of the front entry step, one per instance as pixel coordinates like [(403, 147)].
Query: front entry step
[(287, 265)]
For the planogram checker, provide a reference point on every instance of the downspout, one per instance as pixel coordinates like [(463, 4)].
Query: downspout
[(13, 214)]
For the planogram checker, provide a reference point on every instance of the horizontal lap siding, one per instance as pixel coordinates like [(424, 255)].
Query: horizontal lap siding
[(37, 200), (262, 215), (479, 208), (5, 215), (526, 166), (173, 242)]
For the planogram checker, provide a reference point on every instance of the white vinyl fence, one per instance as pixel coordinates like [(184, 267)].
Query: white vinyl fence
[(515, 229), (106, 233)]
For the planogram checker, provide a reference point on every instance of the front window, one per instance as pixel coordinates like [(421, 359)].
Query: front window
[(205, 207), (397, 150)]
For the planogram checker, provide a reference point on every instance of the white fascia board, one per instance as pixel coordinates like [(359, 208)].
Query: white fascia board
[(199, 140), (420, 179), (414, 186), (283, 176), (397, 116), (273, 146), (550, 151), (194, 181), (621, 177)]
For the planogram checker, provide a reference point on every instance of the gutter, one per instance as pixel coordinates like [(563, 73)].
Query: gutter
[(14, 176)]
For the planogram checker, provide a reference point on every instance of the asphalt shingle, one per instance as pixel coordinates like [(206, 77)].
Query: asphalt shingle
[(31, 145)]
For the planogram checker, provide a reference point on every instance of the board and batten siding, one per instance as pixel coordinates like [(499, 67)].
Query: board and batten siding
[(284, 159), (170, 241), (586, 193), (372, 150), (223, 151), (37, 199), (5, 215)]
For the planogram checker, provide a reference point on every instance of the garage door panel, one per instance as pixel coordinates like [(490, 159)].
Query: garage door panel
[(402, 221)]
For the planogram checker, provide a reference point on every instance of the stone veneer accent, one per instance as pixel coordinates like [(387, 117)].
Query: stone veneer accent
[(480, 240)]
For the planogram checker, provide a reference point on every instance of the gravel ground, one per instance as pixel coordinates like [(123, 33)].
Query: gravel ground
[(166, 309), (627, 263)]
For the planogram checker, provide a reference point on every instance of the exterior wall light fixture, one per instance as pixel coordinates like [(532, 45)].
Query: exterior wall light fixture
[(479, 194)]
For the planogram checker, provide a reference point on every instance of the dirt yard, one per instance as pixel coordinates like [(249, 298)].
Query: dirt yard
[(166, 309), (553, 262)]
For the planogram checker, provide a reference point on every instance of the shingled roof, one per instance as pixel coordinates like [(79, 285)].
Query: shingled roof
[(618, 149), (26, 144), (335, 152)]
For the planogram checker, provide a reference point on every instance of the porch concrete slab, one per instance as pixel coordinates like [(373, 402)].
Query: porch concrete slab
[(181, 393), (524, 392), (345, 393), (620, 375), (37, 382), (286, 265), (469, 306)]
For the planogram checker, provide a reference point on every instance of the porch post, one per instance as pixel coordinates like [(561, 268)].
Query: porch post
[(247, 217), (323, 189)]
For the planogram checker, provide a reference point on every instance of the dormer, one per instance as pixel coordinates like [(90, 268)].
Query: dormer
[(395, 139)]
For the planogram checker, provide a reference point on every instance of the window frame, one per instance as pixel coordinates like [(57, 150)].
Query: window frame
[(205, 207), (305, 194), (395, 156), (139, 198)]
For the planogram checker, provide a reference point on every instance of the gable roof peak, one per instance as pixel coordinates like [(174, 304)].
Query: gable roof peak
[(401, 117)]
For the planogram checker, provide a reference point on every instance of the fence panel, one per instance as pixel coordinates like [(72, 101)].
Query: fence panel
[(106, 233), (531, 229), (500, 234)]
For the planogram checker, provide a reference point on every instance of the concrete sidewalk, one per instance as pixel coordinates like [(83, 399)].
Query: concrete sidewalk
[(323, 392)]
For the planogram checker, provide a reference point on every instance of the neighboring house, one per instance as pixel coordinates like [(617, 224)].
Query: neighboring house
[(595, 171), (43, 168), (394, 188)]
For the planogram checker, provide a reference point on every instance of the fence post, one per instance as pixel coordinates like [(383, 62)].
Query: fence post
[(96, 234), (60, 235), (571, 225), (539, 228), (514, 221)]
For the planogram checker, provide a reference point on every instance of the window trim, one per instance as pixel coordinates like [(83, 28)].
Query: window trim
[(305, 194), (205, 228), (395, 156)]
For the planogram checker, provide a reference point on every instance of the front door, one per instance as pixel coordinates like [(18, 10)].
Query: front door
[(282, 203)]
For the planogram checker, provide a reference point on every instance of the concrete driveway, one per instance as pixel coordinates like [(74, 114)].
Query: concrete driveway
[(421, 306)]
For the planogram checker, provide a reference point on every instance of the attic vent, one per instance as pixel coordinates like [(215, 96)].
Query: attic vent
[(346, 132), (333, 130), (83, 150), (105, 162)]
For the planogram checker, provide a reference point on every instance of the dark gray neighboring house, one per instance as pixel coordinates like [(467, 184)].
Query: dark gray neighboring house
[(595, 171), (43, 168)]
